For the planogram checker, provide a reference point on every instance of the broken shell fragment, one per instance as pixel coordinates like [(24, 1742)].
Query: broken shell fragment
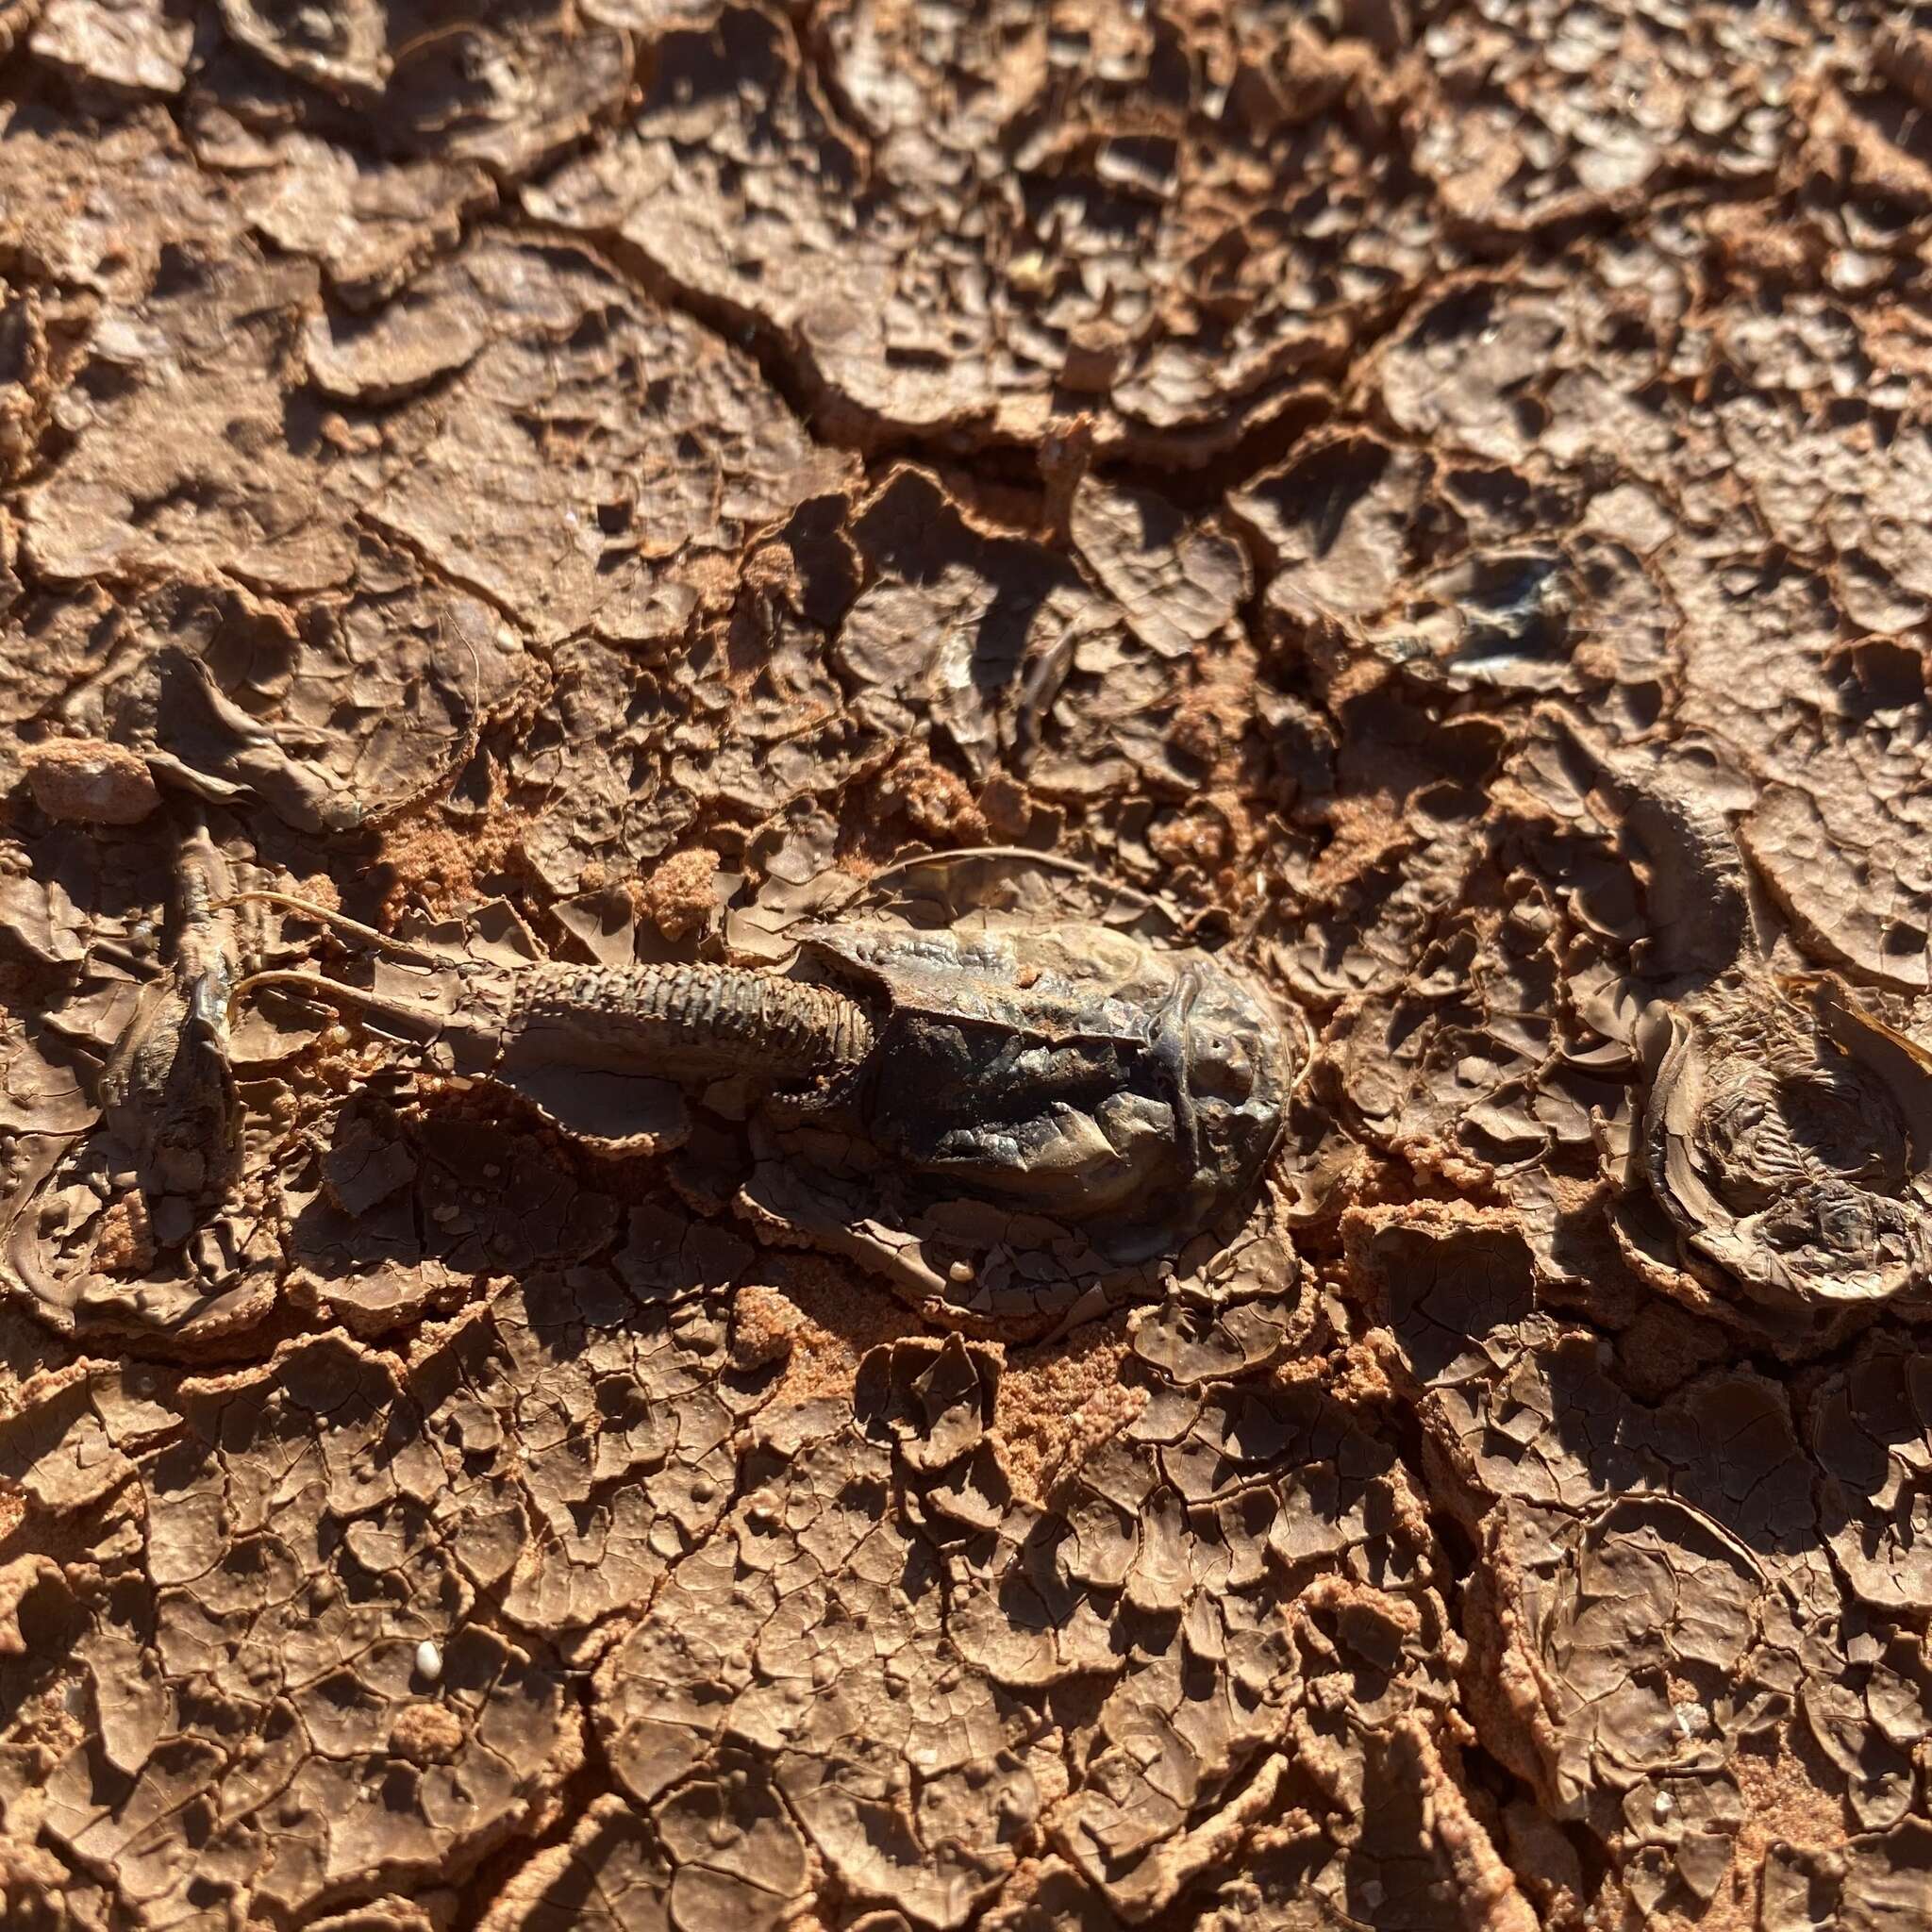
[(1788, 1136)]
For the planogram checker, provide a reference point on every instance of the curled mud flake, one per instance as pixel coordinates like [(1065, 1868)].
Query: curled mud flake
[(16, 18), (1871, 1429), (343, 50), (1016, 885), (1675, 811), (372, 224), (253, 1653), (1648, 1598), (1250, 1307), (961, 637), (1178, 583), (84, 1254), (1465, 372), (668, 1255), (1852, 904), (935, 301), (1842, 725), (423, 333), (818, 1590), (1336, 525), (1195, 1751), (934, 1399), (120, 50), (573, 547), (39, 918), (185, 468), (1174, 1857), (339, 720), (1444, 1280), (590, 770), (1788, 1137), (1876, 1882), (511, 91), (1867, 1884), (795, 851), (595, 1430), (1866, 1701), (808, 1634), (614, 1875), (389, 1225), (1647, 1574), (603, 924), (428, 1910), (1404, 1844), (60, 1458), (1403, 860), (738, 1860), (209, 732), (51, 1098), (1511, 148), (1528, 1410)]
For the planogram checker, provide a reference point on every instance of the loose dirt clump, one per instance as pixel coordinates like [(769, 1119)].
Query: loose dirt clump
[(677, 897), (91, 784)]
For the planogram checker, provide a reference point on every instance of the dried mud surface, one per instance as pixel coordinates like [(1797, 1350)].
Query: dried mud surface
[(1429, 496)]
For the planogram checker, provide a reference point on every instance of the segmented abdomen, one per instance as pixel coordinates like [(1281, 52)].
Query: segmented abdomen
[(684, 1020)]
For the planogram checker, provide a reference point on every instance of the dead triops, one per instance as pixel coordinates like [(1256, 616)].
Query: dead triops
[(1011, 1120)]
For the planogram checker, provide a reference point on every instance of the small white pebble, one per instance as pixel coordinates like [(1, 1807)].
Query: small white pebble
[(1665, 1805), (1692, 1720), (959, 1270), (428, 1662)]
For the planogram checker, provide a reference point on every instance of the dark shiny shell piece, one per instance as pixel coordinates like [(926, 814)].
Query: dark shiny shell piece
[(1070, 1070)]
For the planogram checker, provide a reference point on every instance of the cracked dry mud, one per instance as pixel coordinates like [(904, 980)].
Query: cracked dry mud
[(1423, 505)]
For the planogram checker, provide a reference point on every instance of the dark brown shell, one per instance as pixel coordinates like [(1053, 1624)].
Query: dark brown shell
[(1071, 1068)]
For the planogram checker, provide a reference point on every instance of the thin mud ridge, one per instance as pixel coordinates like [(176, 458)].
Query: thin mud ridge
[(1418, 506)]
